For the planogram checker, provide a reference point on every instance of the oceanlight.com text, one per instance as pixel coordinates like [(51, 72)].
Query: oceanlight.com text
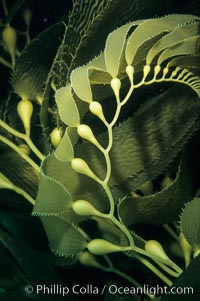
[(90, 289)]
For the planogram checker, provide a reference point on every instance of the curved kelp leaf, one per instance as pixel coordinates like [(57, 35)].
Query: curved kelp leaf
[(97, 71), (115, 47), (52, 197), (185, 61), (34, 63), (65, 152), (80, 83), (67, 107), (189, 46), (76, 184), (159, 208), (176, 35), (148, 30), (190, 223), (64, 238)]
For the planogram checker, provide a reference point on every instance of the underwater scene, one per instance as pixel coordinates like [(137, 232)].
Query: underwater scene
[(99, 150)]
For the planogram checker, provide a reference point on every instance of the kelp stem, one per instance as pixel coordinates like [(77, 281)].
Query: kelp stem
[(115, 271), (168, 270), (5, 7), (171, 232), (157, 259), (24, 137), (5, 62), (24, 194), (154, 269), (21, 153)]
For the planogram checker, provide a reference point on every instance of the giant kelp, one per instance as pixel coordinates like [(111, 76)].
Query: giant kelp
[(124, 116), (86, 179)]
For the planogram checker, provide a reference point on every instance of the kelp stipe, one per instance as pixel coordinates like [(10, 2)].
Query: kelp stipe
[(83, 178)]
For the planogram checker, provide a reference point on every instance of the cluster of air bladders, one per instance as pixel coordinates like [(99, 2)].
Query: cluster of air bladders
[(143, 52)]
